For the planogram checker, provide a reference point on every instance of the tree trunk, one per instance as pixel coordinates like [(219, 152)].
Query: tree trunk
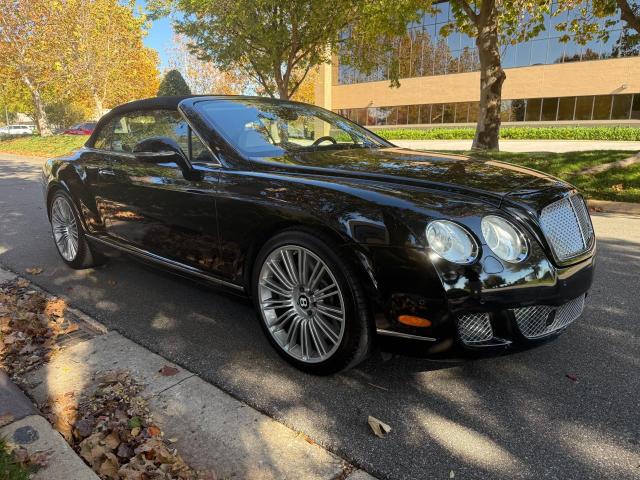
[(283, 88), (40, 116), (491, 79), (99, 106)]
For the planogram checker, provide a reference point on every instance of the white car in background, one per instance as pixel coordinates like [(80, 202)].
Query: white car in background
[(17, 130)]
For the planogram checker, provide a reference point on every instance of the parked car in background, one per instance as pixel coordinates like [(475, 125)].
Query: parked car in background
[(17, 130), (335, 233), (85, 128)]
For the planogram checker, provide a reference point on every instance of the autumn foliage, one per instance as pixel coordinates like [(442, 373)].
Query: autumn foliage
[(86, 52)]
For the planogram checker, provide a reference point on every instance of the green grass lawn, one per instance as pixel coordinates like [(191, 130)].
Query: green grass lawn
[(617, 184), (42, 146)]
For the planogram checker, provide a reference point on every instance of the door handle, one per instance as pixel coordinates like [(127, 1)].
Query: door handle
[(106, 171)]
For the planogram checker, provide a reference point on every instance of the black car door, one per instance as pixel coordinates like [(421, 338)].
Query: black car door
[(150, 205)]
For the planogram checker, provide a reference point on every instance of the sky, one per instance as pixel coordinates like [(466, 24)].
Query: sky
[(159, 37)]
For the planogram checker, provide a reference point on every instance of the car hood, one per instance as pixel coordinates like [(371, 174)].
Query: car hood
[(492, 180)]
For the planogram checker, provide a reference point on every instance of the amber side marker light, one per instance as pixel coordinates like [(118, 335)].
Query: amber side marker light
[(413, 321)]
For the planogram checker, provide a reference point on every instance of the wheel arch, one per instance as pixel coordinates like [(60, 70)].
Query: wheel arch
[(355, 253)]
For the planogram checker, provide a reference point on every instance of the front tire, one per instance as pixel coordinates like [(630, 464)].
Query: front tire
[(68, 236), (310, 303)]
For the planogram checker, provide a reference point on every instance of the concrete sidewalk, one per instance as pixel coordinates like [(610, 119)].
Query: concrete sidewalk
[(556, 146), (212, 430)]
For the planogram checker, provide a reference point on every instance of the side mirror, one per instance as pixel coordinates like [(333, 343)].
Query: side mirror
[(159, 150)]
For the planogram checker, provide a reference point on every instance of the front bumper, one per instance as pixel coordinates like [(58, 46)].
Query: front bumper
[(487, 304)]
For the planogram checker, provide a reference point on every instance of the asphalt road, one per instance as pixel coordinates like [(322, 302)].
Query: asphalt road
[(509, 416)]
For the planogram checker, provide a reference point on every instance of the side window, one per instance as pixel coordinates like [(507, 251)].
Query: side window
[(103, 138), (200, 153), (137, 126), (122, 133)]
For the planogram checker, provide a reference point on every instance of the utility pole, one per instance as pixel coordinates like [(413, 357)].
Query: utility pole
[(6, 116)]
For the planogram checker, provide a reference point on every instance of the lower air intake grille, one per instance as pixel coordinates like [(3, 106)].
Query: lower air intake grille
[(541, 320), (474, 328)]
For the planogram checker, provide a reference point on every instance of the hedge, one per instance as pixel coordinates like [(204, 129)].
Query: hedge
[(516, 133)]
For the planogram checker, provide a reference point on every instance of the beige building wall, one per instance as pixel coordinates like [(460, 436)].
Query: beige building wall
[(599, 77)]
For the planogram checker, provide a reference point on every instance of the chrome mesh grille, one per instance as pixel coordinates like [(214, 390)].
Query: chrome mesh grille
[(567, 226), (474, 328), (542, 320)]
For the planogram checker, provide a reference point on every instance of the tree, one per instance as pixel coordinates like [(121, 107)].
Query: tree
[(111, 64), (493, 23), (275, 43), (203, 77), (595, 19), (34, 48), (173, 84)]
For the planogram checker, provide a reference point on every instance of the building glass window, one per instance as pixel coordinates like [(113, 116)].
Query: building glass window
[(436, 114), (402, 115), (414, 115), (449, 113), (534, 107), (621, 107), (462, 111), (424, 51), (566, 107), (584, 107), (602, 107), (474, 112), (635, 107), (549, 109)]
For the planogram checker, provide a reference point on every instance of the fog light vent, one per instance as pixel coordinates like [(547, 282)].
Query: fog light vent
[(475, 328)]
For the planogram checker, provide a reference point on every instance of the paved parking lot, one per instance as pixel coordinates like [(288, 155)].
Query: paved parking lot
[(511, 416)]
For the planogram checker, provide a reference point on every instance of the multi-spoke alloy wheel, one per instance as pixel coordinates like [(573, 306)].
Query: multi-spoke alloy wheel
[(65, 228), (301, 303)]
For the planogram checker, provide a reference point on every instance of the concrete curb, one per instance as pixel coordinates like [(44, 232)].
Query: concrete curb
[(606, 206), (36, 435), (14, 404), (210, 429)]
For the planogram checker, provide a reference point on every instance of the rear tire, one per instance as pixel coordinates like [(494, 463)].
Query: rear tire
[(310, 303), (68, 234)]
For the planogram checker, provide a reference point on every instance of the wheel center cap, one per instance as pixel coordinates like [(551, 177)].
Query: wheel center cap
[(303, 301)]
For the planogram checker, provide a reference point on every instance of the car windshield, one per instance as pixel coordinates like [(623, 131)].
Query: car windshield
[(264, 128)]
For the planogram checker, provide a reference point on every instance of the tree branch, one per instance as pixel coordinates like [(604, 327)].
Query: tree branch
[(628, 15)]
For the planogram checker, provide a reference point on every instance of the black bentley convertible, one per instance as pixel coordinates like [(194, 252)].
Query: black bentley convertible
[(336, 234)]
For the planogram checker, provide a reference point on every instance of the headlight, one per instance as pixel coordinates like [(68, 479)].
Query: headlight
[(504, 239), (451, 241)]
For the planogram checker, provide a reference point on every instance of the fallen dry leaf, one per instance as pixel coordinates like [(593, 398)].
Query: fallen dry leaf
[(55, 307), (380, 429), (168, 371), (71, 328), (572, 377), (34, 270), (153, 431)]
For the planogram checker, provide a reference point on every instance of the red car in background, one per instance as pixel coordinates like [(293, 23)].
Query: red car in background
[(85, 128)]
